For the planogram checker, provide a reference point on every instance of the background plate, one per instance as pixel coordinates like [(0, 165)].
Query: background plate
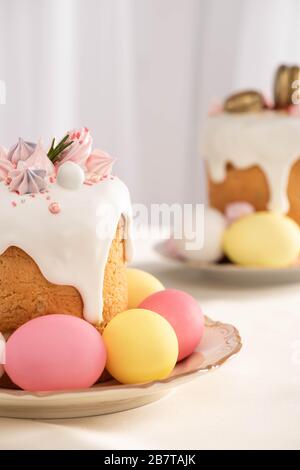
[(219, 343), (232, 272)]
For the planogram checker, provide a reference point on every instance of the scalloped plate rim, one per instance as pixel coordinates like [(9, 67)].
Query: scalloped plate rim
[(168, 383)]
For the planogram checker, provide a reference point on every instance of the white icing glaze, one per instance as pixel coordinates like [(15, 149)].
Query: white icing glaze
[(71, 247), (270, 140)]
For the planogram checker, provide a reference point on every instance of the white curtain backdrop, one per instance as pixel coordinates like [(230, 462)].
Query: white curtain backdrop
[(140, 74)]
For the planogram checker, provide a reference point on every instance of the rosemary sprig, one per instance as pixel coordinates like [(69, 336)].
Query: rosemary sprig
[(55, 150)]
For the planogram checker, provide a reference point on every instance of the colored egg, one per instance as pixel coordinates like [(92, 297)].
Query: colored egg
[(141, 347), (2, 354), (140, 285), (266, 239), (55, 352), (200, 237), (182, 311)]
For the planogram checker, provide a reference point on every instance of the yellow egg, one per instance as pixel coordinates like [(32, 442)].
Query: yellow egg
[(266, 239), (141, 347), (140, 286)]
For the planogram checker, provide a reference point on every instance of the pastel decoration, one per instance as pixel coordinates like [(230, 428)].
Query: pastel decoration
[(182, 311), (55, 352), (236, 210), (70, 175), (99, 164), (201, 238), (28, 181), (20, 151), (141, 347), (266, 239), (5, 167), (2, 354), (39, 160), (80, 149), (140, 285)]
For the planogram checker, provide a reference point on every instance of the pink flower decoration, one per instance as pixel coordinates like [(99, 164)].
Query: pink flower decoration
[(21, 151), (99, 165), (79, 151)]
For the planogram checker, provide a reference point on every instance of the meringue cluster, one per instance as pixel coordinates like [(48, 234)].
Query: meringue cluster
[(27, 167)]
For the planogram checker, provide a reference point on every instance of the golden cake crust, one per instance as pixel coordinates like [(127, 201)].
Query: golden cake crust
[(251, 185), (26, 294)]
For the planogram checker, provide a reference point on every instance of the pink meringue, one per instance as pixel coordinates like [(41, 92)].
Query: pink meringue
[(5, 168), (79, 151), (21, 151), (5, 165), (99, 165), (39, 160), (28, 181), (3, 153)]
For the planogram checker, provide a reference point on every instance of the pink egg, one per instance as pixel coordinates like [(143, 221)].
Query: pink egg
[(55, 352), (183, 313)]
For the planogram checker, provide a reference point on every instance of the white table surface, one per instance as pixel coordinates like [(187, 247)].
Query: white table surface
[(251, 402)]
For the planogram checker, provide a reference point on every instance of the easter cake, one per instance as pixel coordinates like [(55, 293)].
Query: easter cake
[(252, 149), (69, 306), (252, 154), (64, 232)]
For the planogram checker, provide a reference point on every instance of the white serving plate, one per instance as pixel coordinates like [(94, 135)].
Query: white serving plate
[(219, 343)]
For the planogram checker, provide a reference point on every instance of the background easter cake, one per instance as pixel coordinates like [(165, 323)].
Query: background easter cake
[(252, 149)]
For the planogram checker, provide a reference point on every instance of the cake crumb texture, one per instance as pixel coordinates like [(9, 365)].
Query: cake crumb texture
[(26, 294)]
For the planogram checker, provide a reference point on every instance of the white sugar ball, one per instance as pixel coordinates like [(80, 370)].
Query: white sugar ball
[(212, 226), (2, 354), (70, 175)]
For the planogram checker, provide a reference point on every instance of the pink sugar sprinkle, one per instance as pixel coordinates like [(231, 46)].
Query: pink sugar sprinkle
[(14, 204), (48, 198), (88, 182), (54, 208), (52, 179), (32, 195)]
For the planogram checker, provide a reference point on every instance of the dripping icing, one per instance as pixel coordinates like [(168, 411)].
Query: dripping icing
[(270, 140), (69, 247)]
